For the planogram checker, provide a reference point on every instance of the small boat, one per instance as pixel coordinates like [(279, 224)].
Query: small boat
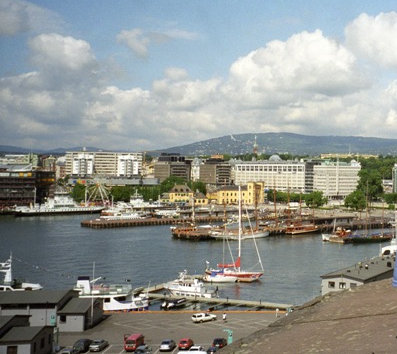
[(11, 284), (218, 276), (188, 286), (301, 228), (173, 303), (115, 297)]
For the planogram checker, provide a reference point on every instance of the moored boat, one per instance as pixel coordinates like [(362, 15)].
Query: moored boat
[(115, 297), (11, 284), (187, 286)]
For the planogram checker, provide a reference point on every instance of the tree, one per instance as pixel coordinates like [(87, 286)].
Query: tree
[(315, 199), (356, 200), (370, 184), (78, 192), (168, 183)]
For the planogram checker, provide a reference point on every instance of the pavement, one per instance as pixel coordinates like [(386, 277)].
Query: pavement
[(159, 325), (360, 320)]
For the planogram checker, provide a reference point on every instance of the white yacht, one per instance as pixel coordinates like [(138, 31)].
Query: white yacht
[(116, 297), (187, 286), (11, 284)]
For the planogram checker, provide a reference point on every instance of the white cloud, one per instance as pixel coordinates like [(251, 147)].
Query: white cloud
[(306, 65), (135, 40), (308, 84), (18, 16), (374, 38), (138, 40)]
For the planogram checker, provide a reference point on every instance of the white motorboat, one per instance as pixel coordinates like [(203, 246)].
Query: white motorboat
[(188, 287), (11, 284), (219, 276), (115, 297)]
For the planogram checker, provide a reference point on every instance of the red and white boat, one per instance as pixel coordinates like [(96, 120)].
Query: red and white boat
[(234, 269)]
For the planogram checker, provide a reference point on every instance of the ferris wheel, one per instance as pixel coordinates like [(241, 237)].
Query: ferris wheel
[(98, 192)]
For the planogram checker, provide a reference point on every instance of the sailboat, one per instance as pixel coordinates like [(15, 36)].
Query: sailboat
[(234, 269), (298, 227)]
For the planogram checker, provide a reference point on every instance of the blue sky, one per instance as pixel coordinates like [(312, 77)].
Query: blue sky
[(142, 75)]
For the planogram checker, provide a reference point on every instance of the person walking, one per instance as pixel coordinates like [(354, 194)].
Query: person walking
[(224, 317)]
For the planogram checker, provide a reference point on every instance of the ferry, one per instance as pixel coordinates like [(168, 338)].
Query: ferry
[(61, 203)]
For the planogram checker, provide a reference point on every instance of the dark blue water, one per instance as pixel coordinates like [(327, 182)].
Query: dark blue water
[(54, 250)]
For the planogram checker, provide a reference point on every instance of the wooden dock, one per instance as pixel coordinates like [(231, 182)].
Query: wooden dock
[(108, 224), (155, 292)]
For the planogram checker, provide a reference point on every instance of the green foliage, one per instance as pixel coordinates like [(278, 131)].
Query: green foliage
[(170, 182), (197, 186), (390, 198), (356, 200), (370, 183), (78, 192), (315, 199)]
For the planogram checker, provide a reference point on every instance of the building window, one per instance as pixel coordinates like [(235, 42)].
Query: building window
[(342, 285), (331, 284), (62, 318), (42, 343)]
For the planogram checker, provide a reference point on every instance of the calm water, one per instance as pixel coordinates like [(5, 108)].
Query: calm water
[(54, 250)]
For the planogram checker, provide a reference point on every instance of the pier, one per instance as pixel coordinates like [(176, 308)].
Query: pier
[(155, 292)]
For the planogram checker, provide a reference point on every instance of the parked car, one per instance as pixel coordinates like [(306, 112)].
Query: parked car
[(68, 351), (143, 349), (82, 345), (185, 343), (203, 317), (167, 345), (212, 350), (197, 349), (98, 345), (219, 342)]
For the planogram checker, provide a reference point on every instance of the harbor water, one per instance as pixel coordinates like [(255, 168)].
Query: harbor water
[(54, 250)]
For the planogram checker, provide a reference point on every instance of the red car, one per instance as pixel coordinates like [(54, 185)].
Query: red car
[(185, 343)]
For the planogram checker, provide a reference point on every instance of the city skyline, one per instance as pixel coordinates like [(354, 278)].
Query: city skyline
[(140, 75)]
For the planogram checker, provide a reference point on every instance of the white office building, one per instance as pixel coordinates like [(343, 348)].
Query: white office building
[(336, 179), (274, 173), (103, 163)]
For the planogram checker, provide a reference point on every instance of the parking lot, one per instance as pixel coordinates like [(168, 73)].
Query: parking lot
[(156, 326)]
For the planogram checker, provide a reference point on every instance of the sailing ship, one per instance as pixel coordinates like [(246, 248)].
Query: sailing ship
[(234, 269), (10, 284), (300, 226)]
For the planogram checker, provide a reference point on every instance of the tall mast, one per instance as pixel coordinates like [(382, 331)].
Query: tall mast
[(239, 223)]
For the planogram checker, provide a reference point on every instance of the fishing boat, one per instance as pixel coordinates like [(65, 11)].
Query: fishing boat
[(115, 297), (188, 286), (234, 269), (10, 284)]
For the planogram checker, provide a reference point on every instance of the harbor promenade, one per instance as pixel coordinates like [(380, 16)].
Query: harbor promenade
[(360, 320)]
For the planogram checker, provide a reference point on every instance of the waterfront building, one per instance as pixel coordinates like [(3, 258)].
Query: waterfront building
[(215, 171), (274, 173), (364, 272), (23, 185), (174, 165), (252, 193), (195, 169), (336, 179), (180, 194), (104, 163)]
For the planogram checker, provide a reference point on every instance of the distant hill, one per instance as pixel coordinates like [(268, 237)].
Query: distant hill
[(269, 143), (295, 144)]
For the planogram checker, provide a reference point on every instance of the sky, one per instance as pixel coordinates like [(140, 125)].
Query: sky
[(142, 75)]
